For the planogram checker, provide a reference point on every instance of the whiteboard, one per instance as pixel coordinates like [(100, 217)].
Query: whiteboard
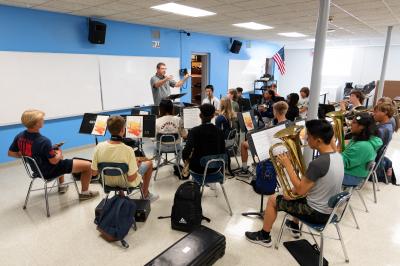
[(243, 73), (125, 80), (58, 84)]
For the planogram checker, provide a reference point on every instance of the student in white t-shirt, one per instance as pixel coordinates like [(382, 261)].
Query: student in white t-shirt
[(210, 98), (303, 102), (168, 123)]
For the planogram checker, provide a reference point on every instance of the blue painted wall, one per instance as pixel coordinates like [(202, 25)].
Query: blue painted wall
[(41, 31)]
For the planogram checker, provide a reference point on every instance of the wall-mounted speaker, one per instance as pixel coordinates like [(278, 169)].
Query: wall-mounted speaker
[(97, 32), (235, 47)]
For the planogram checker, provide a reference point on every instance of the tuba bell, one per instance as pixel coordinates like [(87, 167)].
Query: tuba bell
[(292, 144), (338, 126)]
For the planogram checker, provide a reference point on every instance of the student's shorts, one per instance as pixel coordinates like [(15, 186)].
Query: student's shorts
[(117, 181), (63, 167), (300, 209)]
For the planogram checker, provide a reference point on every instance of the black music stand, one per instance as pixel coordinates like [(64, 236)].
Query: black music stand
[(255, 99), (87, 125), (173, 97)]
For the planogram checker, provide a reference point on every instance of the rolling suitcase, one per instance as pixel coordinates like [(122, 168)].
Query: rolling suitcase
[(201, 247)]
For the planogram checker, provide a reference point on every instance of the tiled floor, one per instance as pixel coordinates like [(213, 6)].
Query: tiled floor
[(69, 237)]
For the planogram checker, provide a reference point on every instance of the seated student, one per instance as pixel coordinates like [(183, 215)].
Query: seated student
[(361, 149), (167, 123), (266, 105), (203, 140), (226, 117), (50, 160), (210, 98), (356, 99), (115, 151), (233, 96), (241, 101), (293, 111), (383, 112), (279, 110), (303, 101), (394, 120), (323, 180)]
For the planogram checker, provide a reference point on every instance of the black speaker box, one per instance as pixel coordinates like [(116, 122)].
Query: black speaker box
[(236, 45), (97, 32)]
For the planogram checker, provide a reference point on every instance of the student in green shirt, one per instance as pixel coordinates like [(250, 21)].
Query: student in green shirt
[(361, 149)]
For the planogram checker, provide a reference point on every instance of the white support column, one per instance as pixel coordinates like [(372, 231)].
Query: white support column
[(316, 76), (379, 91)]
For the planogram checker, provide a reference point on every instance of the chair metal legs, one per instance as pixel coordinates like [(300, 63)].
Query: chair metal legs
[(342, 242), (46, 197), (27, 195), (226, 199), (321, 250), (354, 217), (374, 186), (362, 200), (158, 166), (280, 232)]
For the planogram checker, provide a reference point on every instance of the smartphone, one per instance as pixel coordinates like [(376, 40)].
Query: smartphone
[(58, 145)]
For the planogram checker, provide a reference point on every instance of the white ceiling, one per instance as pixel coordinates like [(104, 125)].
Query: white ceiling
[(357, 22)]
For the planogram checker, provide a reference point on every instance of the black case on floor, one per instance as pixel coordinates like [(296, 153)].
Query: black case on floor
[(142, 209), (201, 247)]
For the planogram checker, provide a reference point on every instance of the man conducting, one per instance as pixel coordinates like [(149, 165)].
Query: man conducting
[(161, 83)]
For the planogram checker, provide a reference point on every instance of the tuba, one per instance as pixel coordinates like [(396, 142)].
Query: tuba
[(291, 142), (338, 126)]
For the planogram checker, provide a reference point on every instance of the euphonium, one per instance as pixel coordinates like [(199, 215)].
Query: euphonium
[(338, 126), (291, 142)]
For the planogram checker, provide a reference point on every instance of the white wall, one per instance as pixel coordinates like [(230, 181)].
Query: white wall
[(360, 65)]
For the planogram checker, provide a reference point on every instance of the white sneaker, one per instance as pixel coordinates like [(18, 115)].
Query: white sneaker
[(152, 197)]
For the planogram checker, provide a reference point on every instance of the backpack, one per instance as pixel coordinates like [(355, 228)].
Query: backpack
[(187, 214), (265, 182), (115, 218)]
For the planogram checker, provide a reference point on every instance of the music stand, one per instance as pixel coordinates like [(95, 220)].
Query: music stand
[(173, 97), (245, 105), (255, 99), (147, 126), (88, 123)]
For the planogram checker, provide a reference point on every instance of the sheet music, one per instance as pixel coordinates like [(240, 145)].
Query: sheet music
[(100, 125), (134, 126), (248, 121), (264, 139), (303, 131), (143, 113), (191, 117)]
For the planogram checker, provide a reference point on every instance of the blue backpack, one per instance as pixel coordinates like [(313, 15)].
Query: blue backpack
[(265, 182), (116, 218)]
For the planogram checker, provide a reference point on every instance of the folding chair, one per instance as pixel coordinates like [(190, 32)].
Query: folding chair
[(378, 160), (168, 143), (231, 148), (339, 204), (33, 171), (116, 170), (358, 188), (212, 162)]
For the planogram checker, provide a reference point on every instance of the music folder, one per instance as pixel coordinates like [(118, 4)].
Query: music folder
[(94, 124), (140, 126), (246, 121)]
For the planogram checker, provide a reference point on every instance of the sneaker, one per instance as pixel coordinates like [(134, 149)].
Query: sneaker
[(90, 195), (62, 189), (294, 228), (244, 171), (258, 238), (152, 197)]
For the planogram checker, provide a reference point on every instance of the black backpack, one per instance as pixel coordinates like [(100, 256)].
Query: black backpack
[(187, 214), (115, 218)]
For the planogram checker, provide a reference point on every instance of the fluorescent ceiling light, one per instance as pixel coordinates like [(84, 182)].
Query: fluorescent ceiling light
[(313, 40), (183, 10), (253, 26), (292, 34)]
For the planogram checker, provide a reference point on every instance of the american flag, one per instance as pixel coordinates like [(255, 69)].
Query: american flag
[(279, 59)]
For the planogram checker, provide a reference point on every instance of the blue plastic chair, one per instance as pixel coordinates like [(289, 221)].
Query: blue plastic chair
[(212, 162), (339, 204)]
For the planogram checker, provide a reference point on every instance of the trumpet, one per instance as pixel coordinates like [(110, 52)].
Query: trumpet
[(291, 142)]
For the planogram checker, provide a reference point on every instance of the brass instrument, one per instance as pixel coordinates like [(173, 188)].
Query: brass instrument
[(291, 142), (338, 126)]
